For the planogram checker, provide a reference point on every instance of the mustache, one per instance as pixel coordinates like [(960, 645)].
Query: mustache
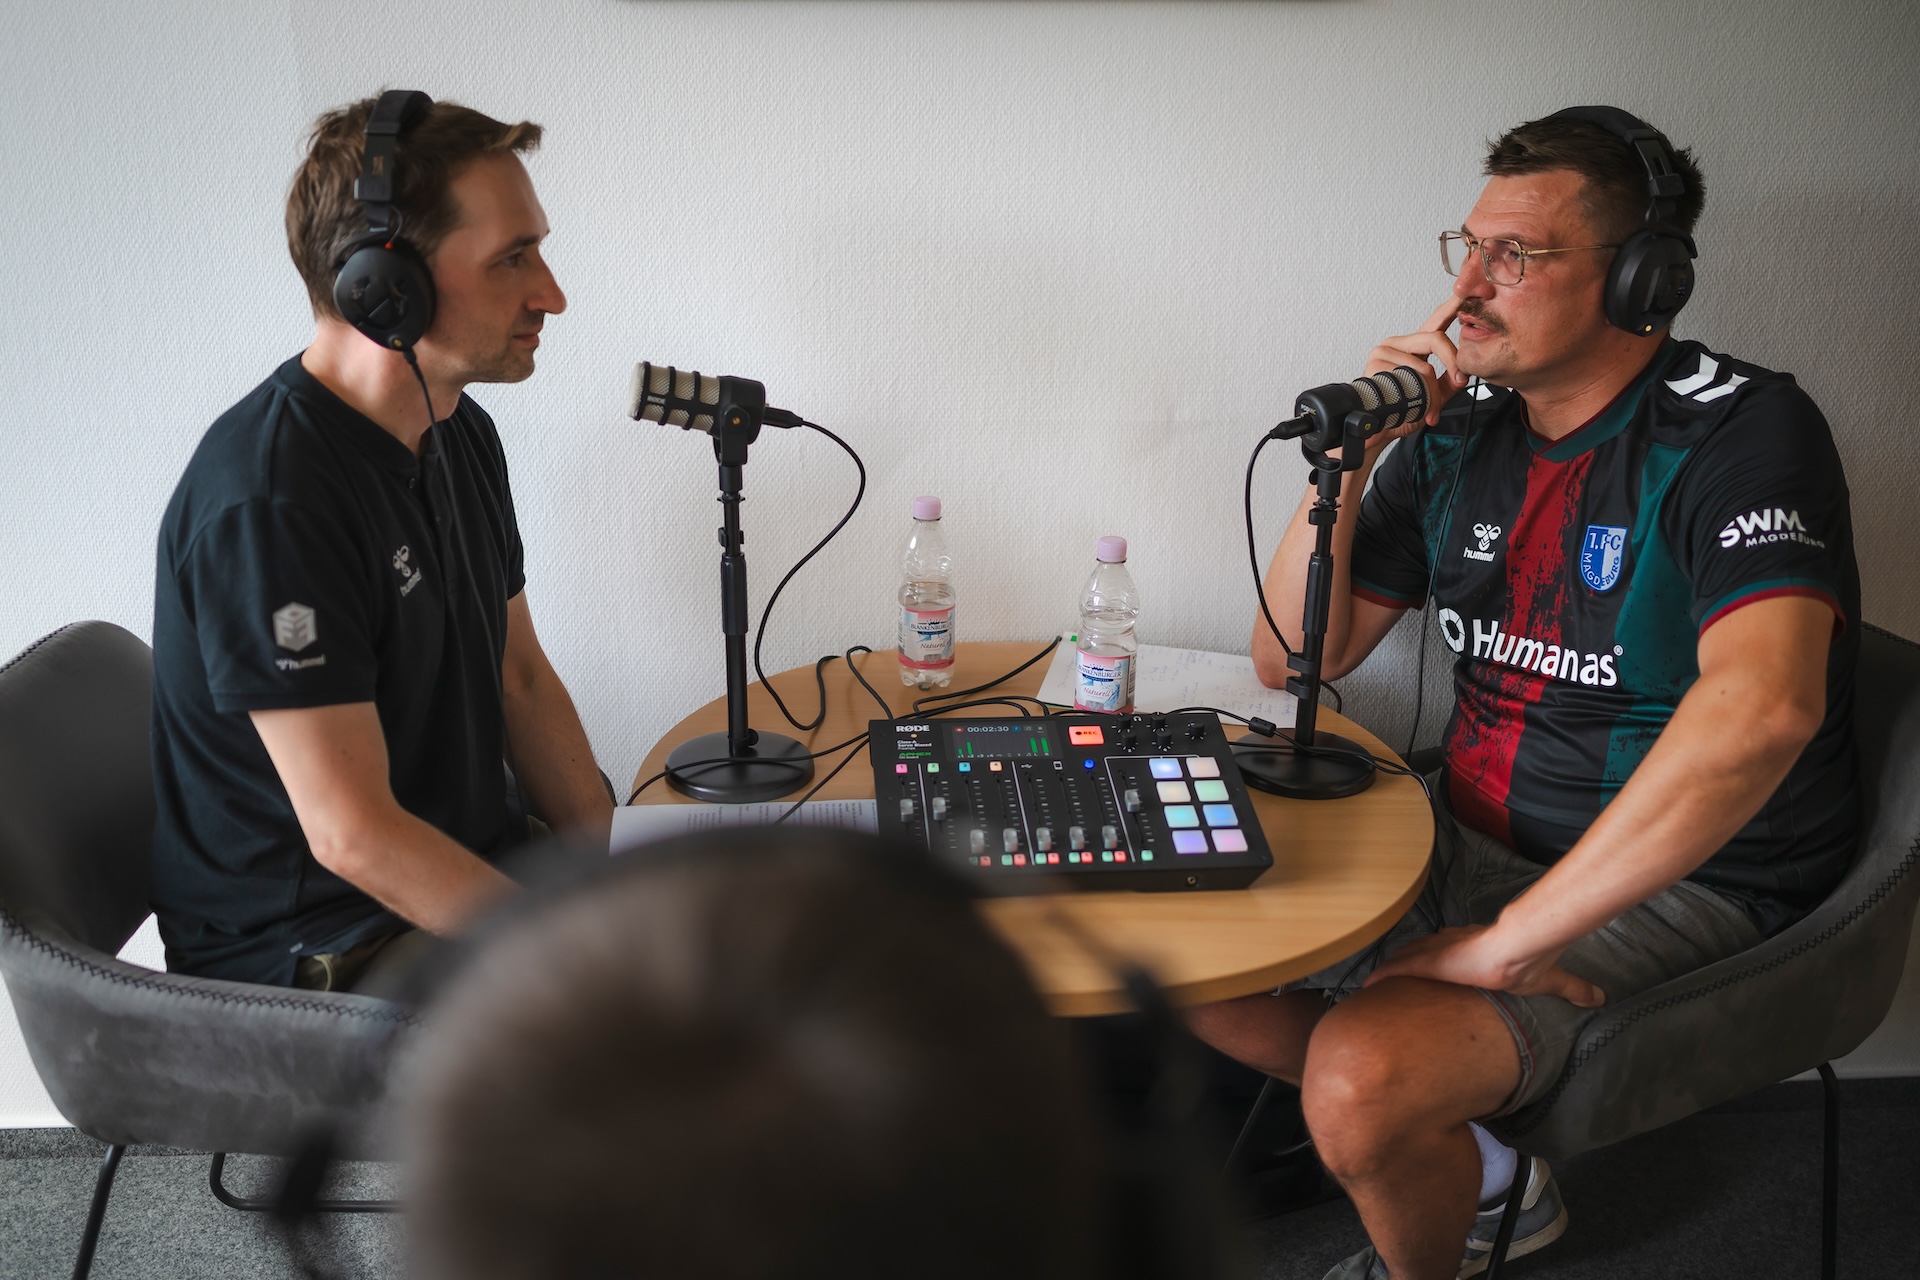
[(1474, 309)]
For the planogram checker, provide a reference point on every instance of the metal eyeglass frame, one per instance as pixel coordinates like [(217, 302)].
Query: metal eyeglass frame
[(1475, 244)]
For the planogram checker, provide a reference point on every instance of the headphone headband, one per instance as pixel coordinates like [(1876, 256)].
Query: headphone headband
[(392, 115), (1665, 183)]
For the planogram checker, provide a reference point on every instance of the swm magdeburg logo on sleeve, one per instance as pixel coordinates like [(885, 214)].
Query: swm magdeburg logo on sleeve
[(1765, 525)]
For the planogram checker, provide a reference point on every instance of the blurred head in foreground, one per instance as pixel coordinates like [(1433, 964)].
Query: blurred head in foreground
[(774, 1053)]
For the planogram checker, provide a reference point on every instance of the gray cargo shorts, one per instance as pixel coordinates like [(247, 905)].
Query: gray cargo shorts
[(1473, 876)]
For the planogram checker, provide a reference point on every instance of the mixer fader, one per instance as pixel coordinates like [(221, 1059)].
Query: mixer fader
[(1113, 802)]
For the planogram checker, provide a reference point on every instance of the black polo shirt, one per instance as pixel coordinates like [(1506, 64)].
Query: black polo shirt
[(307, 558)]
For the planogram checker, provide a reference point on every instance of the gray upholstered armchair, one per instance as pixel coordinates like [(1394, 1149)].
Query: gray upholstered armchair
[(130, 1055), (1794, 1003)]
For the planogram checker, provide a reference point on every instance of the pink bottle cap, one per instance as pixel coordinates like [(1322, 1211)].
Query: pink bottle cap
[(926, 508), (1110, 550)]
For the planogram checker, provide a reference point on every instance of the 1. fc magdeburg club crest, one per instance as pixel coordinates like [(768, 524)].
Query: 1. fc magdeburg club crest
[(1602, 553)]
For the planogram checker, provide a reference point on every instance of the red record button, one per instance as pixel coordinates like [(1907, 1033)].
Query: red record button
[(1086, 735)]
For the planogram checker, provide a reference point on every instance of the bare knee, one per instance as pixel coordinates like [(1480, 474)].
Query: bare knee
[(1354, 1097), (1405, 1059)]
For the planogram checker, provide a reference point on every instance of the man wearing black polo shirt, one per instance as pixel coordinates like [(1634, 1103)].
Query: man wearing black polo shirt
[(343, 651), (1641, 552)]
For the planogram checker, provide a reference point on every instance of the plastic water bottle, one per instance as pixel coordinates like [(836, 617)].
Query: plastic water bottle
[(926, 601), (1109, 651)]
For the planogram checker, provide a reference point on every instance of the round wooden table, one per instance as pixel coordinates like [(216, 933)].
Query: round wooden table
[(1343, 870)]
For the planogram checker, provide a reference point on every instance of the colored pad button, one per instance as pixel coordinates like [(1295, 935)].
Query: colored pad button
[(1230, 840), (1210, 792), (1203, 767), (1182, 815), (1085, 735), (1189, 842), (1164, 767), (1221, 815), (1174, 793)]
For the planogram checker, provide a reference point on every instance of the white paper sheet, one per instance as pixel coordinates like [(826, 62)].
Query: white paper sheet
[(1168, 679), (642, 823)]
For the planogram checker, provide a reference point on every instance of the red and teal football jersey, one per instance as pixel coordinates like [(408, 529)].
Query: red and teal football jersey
[(1574, 577)]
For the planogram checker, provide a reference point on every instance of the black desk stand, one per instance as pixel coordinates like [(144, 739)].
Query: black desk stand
[(1313, 764), (741, 765)]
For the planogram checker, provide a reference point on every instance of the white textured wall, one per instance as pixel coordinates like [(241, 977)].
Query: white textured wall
[(1060, 264)]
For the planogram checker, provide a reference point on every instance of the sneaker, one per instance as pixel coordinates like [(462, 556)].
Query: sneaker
[(1543, 1219), (1364, 1265)]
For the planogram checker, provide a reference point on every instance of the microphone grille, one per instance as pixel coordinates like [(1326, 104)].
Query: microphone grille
[(657, 388), (1368, 392), (1411, 388)]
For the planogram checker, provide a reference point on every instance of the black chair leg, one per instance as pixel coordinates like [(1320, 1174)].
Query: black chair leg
[(1253, 1114), (1830, 1178), (97, 1212), (267, 1204), (1517, 1192)]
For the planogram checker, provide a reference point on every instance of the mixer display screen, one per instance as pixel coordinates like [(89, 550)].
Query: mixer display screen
[(1045, 802), (998, 739)]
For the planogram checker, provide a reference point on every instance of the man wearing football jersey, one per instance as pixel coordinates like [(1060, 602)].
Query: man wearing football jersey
[(1641, 552)]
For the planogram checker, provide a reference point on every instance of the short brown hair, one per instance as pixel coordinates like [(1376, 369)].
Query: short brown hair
[(757, 1054), (323, 216), (1615, 194)]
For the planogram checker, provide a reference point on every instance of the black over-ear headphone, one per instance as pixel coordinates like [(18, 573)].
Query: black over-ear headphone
[(383, 287), (1652, 273)]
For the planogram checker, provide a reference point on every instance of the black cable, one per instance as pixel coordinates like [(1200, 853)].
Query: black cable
[(413, 362), (1253, 552), (885, 708), (919, 704), (853, 755), (760, 633), (714, 762), (1433, 570), (1011, 700), (1339, 703)]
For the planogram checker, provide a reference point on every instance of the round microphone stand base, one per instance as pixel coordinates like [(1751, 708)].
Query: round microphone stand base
[(1302, 776), (773, 766)]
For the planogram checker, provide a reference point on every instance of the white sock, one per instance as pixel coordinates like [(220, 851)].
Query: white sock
[(1497, 1164)]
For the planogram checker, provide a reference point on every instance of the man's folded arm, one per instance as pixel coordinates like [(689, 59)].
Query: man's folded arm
[(333, 762)]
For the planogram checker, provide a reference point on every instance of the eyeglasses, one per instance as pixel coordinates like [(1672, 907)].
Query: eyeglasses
[(1504, 261)]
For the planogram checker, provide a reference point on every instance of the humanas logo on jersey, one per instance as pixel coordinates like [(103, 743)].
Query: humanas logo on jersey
[(1762, 527), (1495, 645)]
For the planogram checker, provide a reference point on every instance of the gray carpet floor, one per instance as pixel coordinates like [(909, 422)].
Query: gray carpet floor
[(1732, 1192)]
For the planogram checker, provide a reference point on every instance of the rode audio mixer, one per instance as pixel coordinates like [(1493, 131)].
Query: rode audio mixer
[(1149, 802)]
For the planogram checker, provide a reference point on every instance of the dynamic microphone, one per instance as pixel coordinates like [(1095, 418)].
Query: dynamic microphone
[(694, 402), (1368, 406)]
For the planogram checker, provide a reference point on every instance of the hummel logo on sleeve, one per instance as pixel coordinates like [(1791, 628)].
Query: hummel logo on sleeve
[(1767, 525)]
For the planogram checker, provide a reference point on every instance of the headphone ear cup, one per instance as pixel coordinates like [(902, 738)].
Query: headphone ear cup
[(386, 293), (1650, 280)]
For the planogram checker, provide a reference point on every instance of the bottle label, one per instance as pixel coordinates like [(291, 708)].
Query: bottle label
[(1104, 683), (926, 638)]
